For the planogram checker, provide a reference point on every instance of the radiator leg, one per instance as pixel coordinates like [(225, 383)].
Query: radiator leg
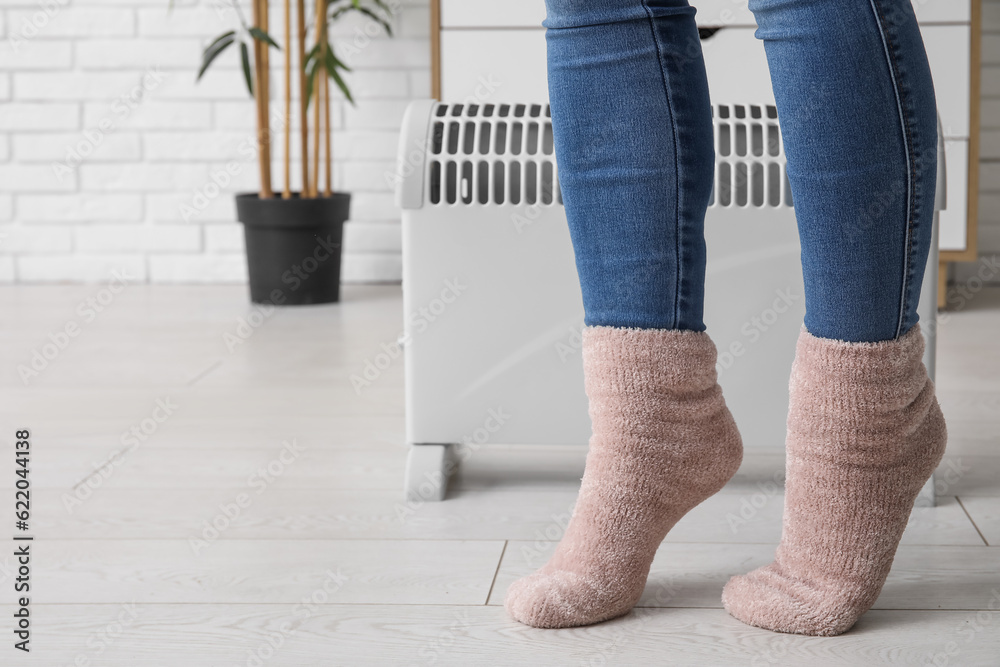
[(427, 470)]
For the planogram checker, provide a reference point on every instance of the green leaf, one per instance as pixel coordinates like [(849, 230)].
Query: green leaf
[(312, 54), (245, 55), (385, 8), (213, 50), (332, 65), (221, 38), (355, 7), (311, 71), (340, 84), (259, 34), (378, 19), (336, 61)]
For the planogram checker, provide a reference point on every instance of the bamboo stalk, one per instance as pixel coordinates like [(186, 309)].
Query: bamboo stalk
[(265, 100), (328, 190), (303, 116), (287, 193), (319, 79), (317, 86), (255, 52), (262, 121)]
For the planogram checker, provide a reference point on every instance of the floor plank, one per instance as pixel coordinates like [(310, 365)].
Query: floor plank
[(692, 575), (985, 514), (307, 635), (199, 570), (283, 511)]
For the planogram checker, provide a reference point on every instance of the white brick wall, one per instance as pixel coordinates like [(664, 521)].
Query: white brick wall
[(105, 136)]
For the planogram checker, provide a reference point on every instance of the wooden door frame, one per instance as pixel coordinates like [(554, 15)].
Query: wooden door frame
[(436, 49)]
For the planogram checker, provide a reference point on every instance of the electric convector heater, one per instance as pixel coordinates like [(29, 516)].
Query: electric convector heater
[(493, 311)]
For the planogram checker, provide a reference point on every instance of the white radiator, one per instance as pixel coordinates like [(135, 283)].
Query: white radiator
[(493, 308)]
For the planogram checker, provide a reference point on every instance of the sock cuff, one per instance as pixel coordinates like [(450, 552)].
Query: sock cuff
[(883, 359), (859, 389), (649, 360)]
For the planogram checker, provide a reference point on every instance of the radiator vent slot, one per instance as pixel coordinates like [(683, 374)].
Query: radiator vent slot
[(749, 158)]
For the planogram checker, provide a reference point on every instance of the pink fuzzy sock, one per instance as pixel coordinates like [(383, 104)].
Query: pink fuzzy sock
[(663, 442), (864, 434)]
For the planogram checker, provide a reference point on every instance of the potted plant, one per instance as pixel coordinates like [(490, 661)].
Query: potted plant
[(293, 238)]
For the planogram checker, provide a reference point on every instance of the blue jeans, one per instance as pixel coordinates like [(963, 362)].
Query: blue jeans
[(633, 138)]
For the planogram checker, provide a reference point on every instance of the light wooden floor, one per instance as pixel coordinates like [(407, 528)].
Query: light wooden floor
[(324, 564)]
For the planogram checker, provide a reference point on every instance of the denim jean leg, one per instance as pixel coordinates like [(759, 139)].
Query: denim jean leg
[(858, 115), (633, 137)]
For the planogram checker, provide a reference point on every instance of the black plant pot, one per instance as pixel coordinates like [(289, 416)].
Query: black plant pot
[(293, 247)]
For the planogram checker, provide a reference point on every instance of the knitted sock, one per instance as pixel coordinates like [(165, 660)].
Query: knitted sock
[(663, 441), (864, 434)]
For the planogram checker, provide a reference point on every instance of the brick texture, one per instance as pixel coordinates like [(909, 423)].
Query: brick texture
[(112, 157)]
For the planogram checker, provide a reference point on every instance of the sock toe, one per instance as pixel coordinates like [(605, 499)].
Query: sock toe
[(561, 599), (766, 599)]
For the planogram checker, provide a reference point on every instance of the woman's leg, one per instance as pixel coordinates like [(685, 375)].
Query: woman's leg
[(632, 126), (858, 116), (633, 137)]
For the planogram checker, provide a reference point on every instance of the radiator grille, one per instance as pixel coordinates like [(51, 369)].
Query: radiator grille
[(492, 154), (495, 154), (749, 158)]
